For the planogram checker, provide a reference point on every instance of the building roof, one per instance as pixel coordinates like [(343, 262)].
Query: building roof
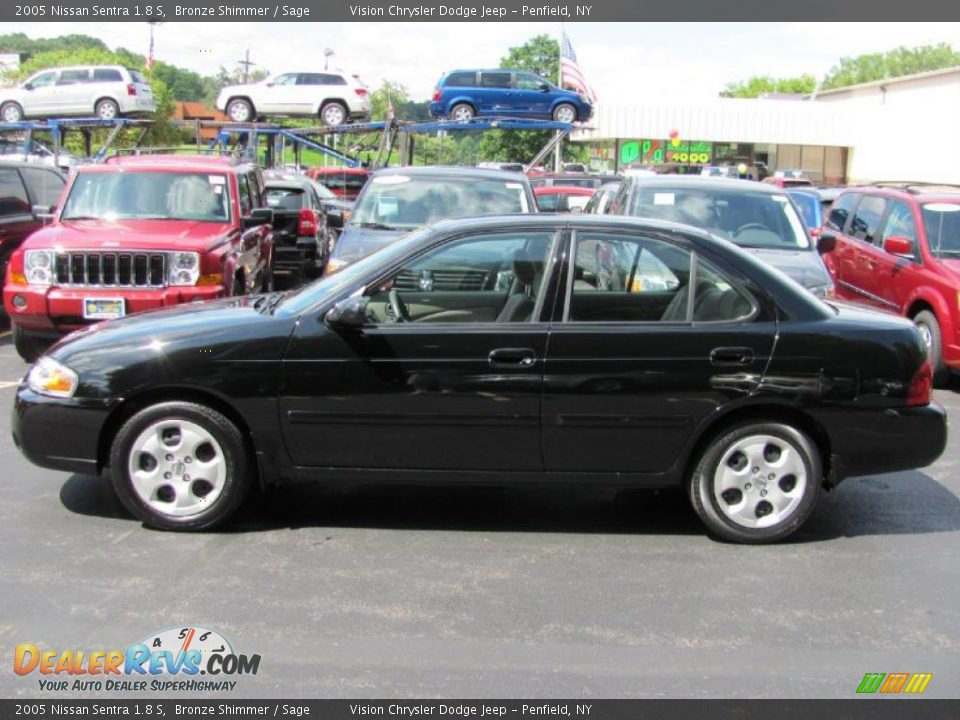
[(893, 80)]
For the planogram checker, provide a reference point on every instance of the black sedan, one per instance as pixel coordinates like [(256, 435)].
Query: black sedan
[(524, 349)]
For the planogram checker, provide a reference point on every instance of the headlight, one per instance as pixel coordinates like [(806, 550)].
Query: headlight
[(184, 268), (38, 266), (49, 377), (824, 292)]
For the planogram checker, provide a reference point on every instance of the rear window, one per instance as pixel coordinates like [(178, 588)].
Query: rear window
[(285, 198), (405, 201), (461, 79), (343, 182), (106, 75)]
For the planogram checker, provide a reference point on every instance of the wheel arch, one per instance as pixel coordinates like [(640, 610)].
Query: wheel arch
[(935, 303)]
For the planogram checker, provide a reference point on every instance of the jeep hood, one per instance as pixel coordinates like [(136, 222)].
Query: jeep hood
[(131, 234)]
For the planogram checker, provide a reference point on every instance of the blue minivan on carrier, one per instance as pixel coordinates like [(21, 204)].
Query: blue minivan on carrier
[(464, 94)]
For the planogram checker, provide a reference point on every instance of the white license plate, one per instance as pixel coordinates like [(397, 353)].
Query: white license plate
[(103, 308)]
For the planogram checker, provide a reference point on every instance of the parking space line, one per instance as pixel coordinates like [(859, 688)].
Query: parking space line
[(4, 384), (5, 333)]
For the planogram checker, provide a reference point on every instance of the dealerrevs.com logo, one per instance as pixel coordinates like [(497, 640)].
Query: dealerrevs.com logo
[(170, 660)]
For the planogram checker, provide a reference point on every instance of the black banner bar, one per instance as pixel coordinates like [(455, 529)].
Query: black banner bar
[(875, 708), (537, 11)]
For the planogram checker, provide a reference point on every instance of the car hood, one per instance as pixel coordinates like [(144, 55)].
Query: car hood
[(358, 242), (804, 266), (219, 331), (131, 234)]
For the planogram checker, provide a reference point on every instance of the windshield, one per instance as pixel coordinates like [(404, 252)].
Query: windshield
[(323, 191), (308, 295), (810, 209), (285, 198), (341, 182), (750, 219), (148, 195), (409, 201), (942, 221)]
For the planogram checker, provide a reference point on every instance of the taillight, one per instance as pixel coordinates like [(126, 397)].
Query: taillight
[(436, 95), (308, 222), (921, 386), (360, 91), (131, 89)]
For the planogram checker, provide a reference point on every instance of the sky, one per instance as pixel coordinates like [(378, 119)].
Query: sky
[(626, 63)]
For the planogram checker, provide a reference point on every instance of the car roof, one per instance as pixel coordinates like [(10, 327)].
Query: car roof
[(13, 161), (563, 190), (452, 171), (338, 170), (287, 183), (489, 70), (919, 192), (705, 183), (183, 163)]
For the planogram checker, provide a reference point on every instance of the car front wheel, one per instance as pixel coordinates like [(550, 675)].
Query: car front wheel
[(565, 113), (11, 112), (180, 466), (756, 482), (240, 110)]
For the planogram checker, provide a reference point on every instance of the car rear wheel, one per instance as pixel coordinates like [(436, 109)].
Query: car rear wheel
[(333, 114), (180, 466), (756, 482), (929, 328), (29, 346), (461, 112), (107, 109), (240, 110), (11, 112), (565, 113)]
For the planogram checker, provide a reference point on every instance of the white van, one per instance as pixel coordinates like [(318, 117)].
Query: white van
[(102, 91)]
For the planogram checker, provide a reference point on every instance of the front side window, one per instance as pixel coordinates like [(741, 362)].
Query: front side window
[(900, 223), (866, 220), (287, 79), (47, 185), (529, 81), (13, 195), (143, 195), (408, 201), (43, 80), (496, 277), (840, 212), (628, 278), (243, 186)]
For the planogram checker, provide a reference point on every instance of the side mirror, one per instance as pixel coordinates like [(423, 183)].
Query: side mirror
[(350, 312), (544, 87), (43, 212), (334, 218), (899, 245), (826, 242), (257, 217)]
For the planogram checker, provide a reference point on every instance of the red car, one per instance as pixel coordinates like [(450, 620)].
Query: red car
[(138, 233), (559, 199), (341, 181), (898, 248)]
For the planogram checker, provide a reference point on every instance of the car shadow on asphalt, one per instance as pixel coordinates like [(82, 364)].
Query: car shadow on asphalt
[(900, 503)]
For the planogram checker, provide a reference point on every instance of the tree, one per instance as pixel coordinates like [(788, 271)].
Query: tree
[(764, 84), (540, 55), (383, 96), (894, 63)]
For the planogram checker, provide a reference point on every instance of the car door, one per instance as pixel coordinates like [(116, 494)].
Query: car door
[(279, 96), (496, 95), (73, 92), (16, 218), (896, 276), (446, 375), (841, 261), (40, 94), (314, 88), (652, 338), (864, 227), (531, 99)]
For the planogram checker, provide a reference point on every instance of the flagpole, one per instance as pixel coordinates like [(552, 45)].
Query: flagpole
[(557, 153)]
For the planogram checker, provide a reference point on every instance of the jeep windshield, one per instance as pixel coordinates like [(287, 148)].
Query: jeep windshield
[(408, 201), (750, 219), (155, 195), (942, 220)]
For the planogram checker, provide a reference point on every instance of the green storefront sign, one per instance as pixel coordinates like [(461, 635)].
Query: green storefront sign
[(657, 152)]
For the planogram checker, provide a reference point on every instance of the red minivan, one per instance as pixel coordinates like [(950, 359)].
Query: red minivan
[(898, 249)]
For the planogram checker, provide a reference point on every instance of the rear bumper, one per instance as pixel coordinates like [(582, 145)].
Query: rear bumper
[(881, 441), (56, 310)]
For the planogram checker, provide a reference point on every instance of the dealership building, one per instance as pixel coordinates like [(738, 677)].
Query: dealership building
[(903, 128)]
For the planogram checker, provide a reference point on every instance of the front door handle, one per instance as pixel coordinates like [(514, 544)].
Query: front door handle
[(731, 356), (512, 357)]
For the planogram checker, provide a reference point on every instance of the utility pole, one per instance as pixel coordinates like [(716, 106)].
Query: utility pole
[(246, 66)]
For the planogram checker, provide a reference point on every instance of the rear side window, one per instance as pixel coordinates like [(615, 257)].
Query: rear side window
[(320, 79), (840, 212), (137, 76), (107, 75), (46, 185), (866, 220), (461, 79), (13, 195), (495, 79), (72, 77)]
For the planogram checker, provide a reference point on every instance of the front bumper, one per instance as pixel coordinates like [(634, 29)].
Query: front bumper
[(60, 310), (60, 434)]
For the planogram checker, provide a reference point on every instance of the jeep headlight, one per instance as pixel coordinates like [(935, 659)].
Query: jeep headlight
[(184, 268), (38, 266), (49, 377)]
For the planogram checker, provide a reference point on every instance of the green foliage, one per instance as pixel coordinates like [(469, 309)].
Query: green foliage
[(540, 55), (894, 63), (764, 84)]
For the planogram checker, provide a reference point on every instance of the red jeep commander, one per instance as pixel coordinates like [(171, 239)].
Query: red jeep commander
[(137, 233)]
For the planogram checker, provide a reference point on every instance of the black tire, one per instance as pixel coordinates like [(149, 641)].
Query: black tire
[(11, 112), (563, 109), (240, 110), (753, 493), (29, 346), (334, 114), (106, 109), (239, 288), (238, 464), (928, 325), (462, 112)]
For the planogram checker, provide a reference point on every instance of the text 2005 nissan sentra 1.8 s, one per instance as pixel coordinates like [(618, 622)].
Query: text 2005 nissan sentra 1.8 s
[(521, 349)]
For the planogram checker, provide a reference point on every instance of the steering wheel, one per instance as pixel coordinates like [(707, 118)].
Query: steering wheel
[(399, 307), (751, 226)]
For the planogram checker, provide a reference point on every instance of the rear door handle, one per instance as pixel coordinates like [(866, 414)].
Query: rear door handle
[(731, 356), (512, 357)]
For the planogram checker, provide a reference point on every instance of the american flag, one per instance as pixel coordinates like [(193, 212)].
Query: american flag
[(570, 74)]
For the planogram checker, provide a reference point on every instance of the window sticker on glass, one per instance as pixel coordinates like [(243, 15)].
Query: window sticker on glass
[(514, 186), (387, 206), (218, 189), (391, 180), (663, 198), (217, 179)]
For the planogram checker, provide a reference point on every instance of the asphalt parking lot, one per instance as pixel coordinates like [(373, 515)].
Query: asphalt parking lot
[(459, 592)]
